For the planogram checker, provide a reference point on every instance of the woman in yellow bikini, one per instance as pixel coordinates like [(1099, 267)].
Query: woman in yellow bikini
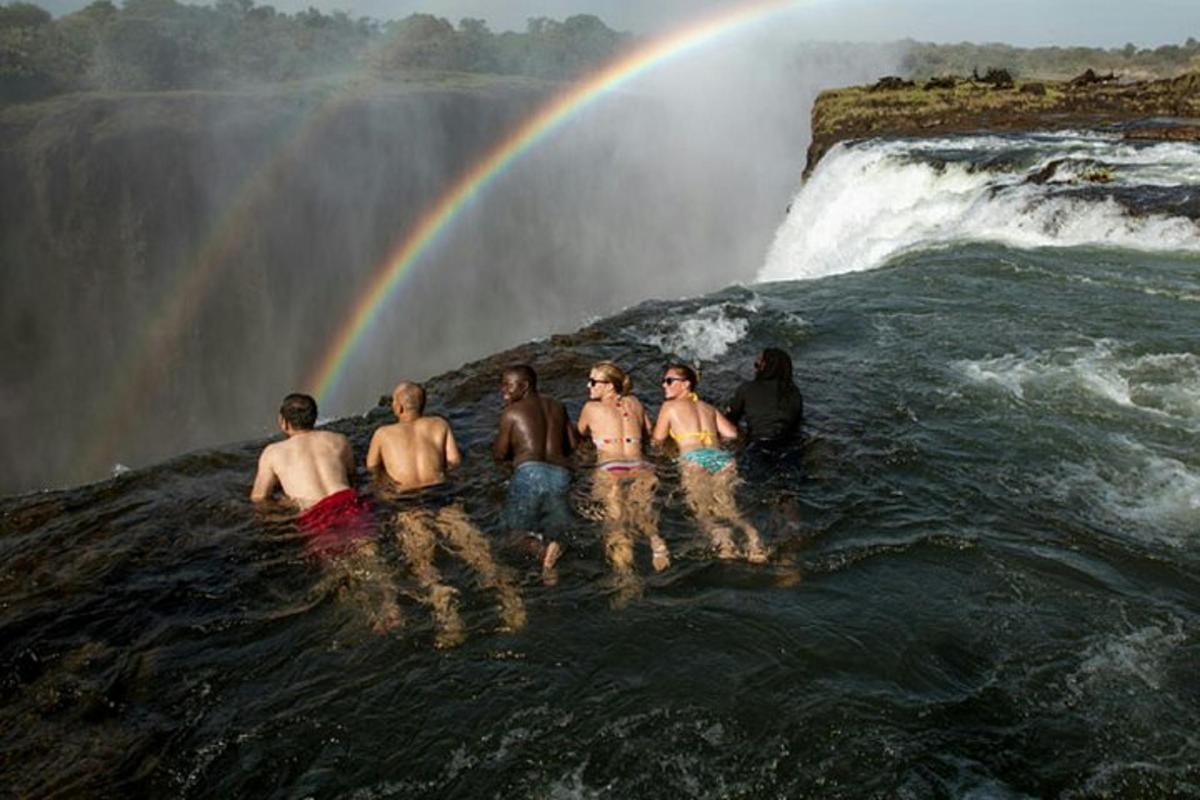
[(616, 423), (708, 473)]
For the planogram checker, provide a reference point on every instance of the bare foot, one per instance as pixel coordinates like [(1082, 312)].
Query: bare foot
[(723, 543), (553, 552), (660, 556), (756, 554), (549, 559)]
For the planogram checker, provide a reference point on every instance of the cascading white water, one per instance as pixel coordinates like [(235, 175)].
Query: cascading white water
[(866, 203)]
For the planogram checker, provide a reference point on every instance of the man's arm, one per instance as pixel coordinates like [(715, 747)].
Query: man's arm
[(266, 479), (503, 444), (374, 454), (453, 456)]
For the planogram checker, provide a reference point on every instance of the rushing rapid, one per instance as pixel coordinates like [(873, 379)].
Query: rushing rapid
[(870, 201), (985, 553)]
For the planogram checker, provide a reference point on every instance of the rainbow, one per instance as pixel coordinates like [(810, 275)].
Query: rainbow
[(438, 218)]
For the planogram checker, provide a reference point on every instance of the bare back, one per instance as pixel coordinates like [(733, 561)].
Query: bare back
[(693, 424), (309, 466), (534, 428), (414, 453), (617, 429)]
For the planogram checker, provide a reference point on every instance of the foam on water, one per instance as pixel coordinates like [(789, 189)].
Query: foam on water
[(1150, 489), (1163, 384), (704, 335), (867, 203), (1157, 496), (1138, 655)]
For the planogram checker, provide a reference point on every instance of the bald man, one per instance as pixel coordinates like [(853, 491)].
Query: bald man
[(414, 453), (416, 450)]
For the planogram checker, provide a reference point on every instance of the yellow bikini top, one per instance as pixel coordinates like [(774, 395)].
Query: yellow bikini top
[(703, 437)]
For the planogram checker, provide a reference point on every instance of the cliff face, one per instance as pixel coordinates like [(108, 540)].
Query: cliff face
[(895, 108), (169, 256)]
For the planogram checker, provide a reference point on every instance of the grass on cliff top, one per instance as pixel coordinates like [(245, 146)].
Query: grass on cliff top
[(861, 108), (859, 104)]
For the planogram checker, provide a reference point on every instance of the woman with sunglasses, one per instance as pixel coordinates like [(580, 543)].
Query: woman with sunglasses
[(617, 425), (708, 473)]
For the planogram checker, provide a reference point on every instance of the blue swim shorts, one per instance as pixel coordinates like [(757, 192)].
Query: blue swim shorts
[(537, 498)]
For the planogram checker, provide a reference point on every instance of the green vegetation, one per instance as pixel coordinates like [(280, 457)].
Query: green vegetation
[(154, 45), (925, 60), (894, 107), (148, 45)]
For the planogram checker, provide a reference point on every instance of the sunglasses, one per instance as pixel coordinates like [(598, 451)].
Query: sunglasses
[(593, 382), (669, 380)]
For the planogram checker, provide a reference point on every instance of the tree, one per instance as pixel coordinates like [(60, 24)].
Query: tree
[(421, 41)]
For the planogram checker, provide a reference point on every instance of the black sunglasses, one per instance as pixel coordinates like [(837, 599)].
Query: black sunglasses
[(669, 380), (593, 382)]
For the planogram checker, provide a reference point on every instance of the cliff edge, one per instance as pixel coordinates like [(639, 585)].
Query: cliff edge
[(1160, 109)]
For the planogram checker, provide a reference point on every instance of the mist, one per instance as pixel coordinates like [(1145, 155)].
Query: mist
[(179, 261)]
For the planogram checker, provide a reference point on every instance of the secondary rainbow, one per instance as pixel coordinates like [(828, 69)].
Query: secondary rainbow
[(442, 213), (179, 304)]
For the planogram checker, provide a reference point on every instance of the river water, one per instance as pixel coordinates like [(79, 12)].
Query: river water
[(985, 553)]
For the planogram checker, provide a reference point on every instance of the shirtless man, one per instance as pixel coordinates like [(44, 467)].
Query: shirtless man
[(416, 450), (311, 466), (414, 453), (536, 434), (313, 469)]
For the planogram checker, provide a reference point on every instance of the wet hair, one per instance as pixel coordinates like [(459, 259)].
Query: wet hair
[(299, 411), (687, 372), (777, 369), (412, 395), (619, 379), (776, 365), (525, 373)]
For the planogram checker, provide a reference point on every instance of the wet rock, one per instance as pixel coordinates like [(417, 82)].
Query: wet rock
[(944, 82), (890, 83), (1089, 77)]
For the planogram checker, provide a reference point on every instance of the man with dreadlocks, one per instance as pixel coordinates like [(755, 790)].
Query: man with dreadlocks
[(770, 405)]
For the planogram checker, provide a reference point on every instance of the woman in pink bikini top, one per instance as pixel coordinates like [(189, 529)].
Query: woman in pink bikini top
[(614, 420)]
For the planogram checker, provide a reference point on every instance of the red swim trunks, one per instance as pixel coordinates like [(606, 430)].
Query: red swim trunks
[(337, 523)]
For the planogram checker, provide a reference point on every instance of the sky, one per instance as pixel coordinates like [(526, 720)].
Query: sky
[(1026, 23)]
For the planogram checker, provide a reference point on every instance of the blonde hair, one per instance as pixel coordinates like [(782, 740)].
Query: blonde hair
[(614, 375)]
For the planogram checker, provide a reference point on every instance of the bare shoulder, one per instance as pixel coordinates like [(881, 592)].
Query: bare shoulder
[(271, 452), (333, 440), (435, 424)]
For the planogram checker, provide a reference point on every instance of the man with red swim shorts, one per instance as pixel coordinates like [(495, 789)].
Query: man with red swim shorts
[(313, 467)]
